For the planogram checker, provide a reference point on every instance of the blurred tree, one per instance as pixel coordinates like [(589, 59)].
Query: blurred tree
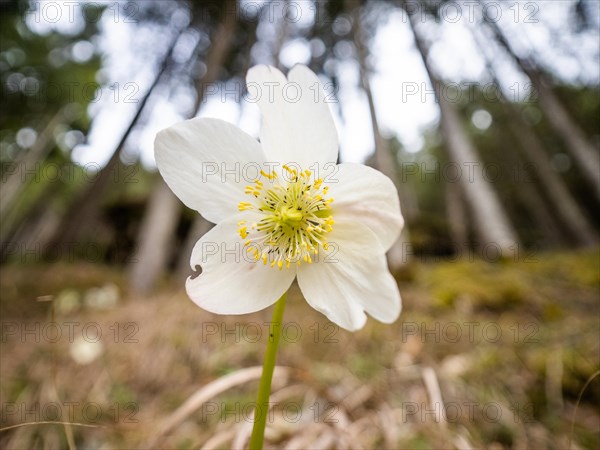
[(153, 248), (244, 40), (555, 207), (79, 221), (47, 83), (457, 217), (44, 143), (584, 153), (384, 159), (565, 206), (491, 221)]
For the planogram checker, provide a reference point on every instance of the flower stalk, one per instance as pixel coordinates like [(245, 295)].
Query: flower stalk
[(264, 389)]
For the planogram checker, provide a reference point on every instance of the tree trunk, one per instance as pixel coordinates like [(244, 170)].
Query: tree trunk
[(457, 218), (162, 215), (569, 213), (27, 238), (549, 234), (584, 153), (144, 272), (397, 255), (564, 205), (491, 221)]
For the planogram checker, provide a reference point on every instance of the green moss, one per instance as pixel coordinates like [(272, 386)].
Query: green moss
[(420, 443), (486, 285)]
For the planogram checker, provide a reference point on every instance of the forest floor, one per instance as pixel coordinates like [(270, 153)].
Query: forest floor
[(483, 355)]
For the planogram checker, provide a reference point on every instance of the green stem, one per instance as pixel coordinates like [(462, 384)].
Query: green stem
[(264, 389)]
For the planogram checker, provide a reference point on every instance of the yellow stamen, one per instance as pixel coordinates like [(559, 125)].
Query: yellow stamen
[(294, 217)]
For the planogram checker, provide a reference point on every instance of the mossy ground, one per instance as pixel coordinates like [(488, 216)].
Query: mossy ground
[(498, 352)]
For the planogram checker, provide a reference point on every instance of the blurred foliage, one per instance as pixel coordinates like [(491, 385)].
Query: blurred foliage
[(40, 74), (427, 171), (31, 65)]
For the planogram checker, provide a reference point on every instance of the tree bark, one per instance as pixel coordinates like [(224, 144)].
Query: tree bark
[(584, 153), (491, 221), (457, 218)]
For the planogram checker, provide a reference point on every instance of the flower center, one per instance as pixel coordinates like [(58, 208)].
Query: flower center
[(295, 218)]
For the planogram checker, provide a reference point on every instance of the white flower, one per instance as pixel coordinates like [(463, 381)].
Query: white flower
[(283, 222)]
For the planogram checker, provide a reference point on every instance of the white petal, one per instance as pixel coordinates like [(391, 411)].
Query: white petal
[(364, 194), (231, 282), (207, 163), (350, 277), (297, 126)]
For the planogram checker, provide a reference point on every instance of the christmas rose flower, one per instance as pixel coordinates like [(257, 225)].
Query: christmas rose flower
[(301, 215)]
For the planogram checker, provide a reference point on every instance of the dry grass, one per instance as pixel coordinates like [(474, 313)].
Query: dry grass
[(188, 380)]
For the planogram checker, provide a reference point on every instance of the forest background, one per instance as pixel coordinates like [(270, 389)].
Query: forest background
[(485, 115)]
